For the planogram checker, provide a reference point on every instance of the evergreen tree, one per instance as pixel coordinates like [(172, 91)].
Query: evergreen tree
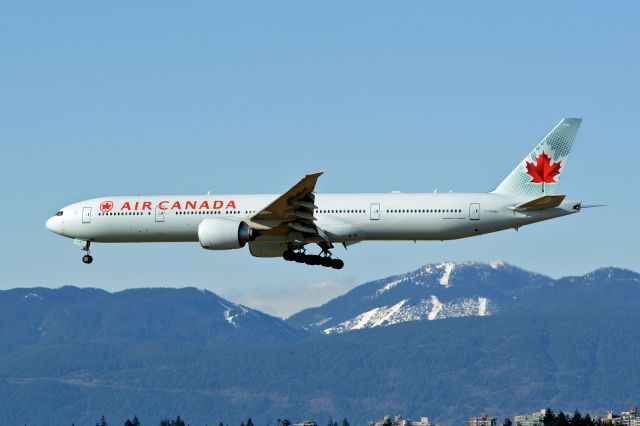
[(133, 422), (286, 422), (588, 421), (576, 419), (345, 422), (387, 421), (561, 420), (507, 422), (102, 422), (178, 422), (249, 422), (165, 422), (549, 417)]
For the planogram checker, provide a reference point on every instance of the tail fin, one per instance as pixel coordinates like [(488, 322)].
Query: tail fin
[(539, 172)]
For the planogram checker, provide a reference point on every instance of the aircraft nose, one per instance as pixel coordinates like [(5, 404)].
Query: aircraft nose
[(54, 224)]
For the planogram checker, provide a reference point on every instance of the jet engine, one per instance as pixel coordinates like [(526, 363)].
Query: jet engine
[(224, 233)]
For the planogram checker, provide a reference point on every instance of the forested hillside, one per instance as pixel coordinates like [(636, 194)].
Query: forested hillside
[(158, 353)]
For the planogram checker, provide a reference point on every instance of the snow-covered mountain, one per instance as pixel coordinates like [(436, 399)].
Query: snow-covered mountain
[(31, 316), (78, 353), (447, 290)]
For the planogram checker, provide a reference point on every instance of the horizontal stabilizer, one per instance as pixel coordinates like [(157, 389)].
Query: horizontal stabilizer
[(542, 203)]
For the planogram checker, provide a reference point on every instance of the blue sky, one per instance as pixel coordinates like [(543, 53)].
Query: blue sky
[(244, 97)]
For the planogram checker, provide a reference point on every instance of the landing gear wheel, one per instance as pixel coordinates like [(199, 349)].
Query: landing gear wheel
[(326, 261), (288, 255), (337, 264), (299, 257), (87, 257)]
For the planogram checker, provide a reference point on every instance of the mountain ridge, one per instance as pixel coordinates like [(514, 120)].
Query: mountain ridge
[(442, 290), (157, 352), (39, 314)]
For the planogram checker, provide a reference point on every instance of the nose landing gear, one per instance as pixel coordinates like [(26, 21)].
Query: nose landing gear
[(87, 258)]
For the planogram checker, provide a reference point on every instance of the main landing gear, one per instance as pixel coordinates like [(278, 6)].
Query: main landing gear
[(87, 258), (324, 259)]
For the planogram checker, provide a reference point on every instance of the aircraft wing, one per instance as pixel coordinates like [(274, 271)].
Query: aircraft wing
[(293, 210)]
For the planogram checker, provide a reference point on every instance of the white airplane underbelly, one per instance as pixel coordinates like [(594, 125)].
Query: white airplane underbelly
[(141, 230)]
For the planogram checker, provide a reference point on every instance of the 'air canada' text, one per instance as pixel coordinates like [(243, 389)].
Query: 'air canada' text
[(179, 205)]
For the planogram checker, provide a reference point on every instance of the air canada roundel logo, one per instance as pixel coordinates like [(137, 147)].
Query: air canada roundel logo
[(106, 206)]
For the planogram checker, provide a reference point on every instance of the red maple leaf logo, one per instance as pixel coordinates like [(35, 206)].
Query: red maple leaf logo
[(543, 171), (106, 206)]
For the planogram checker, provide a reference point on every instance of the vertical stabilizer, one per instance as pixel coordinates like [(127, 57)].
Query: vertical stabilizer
[(538, 174)]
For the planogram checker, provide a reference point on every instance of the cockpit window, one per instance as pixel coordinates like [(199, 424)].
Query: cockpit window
[(59, 213)]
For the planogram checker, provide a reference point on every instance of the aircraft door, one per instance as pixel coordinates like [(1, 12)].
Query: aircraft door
[(375, 211), (86, 215), (474, 211), (159, 214)]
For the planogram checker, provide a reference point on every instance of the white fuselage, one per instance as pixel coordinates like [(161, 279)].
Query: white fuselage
[(276, 225), (344, 217)]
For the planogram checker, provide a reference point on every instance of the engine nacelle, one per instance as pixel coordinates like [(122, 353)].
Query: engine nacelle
[(224, 234), (267, 249)]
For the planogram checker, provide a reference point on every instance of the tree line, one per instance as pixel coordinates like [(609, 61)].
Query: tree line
[(563, 419), (550, 418), (178, 421)]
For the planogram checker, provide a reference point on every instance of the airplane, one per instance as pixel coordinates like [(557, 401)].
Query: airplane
[(284, 225)]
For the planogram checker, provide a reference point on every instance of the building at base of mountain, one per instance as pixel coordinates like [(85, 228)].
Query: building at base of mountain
[(306, 423), (625, 418), (482, 420), (399, 421), (534, 419)]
